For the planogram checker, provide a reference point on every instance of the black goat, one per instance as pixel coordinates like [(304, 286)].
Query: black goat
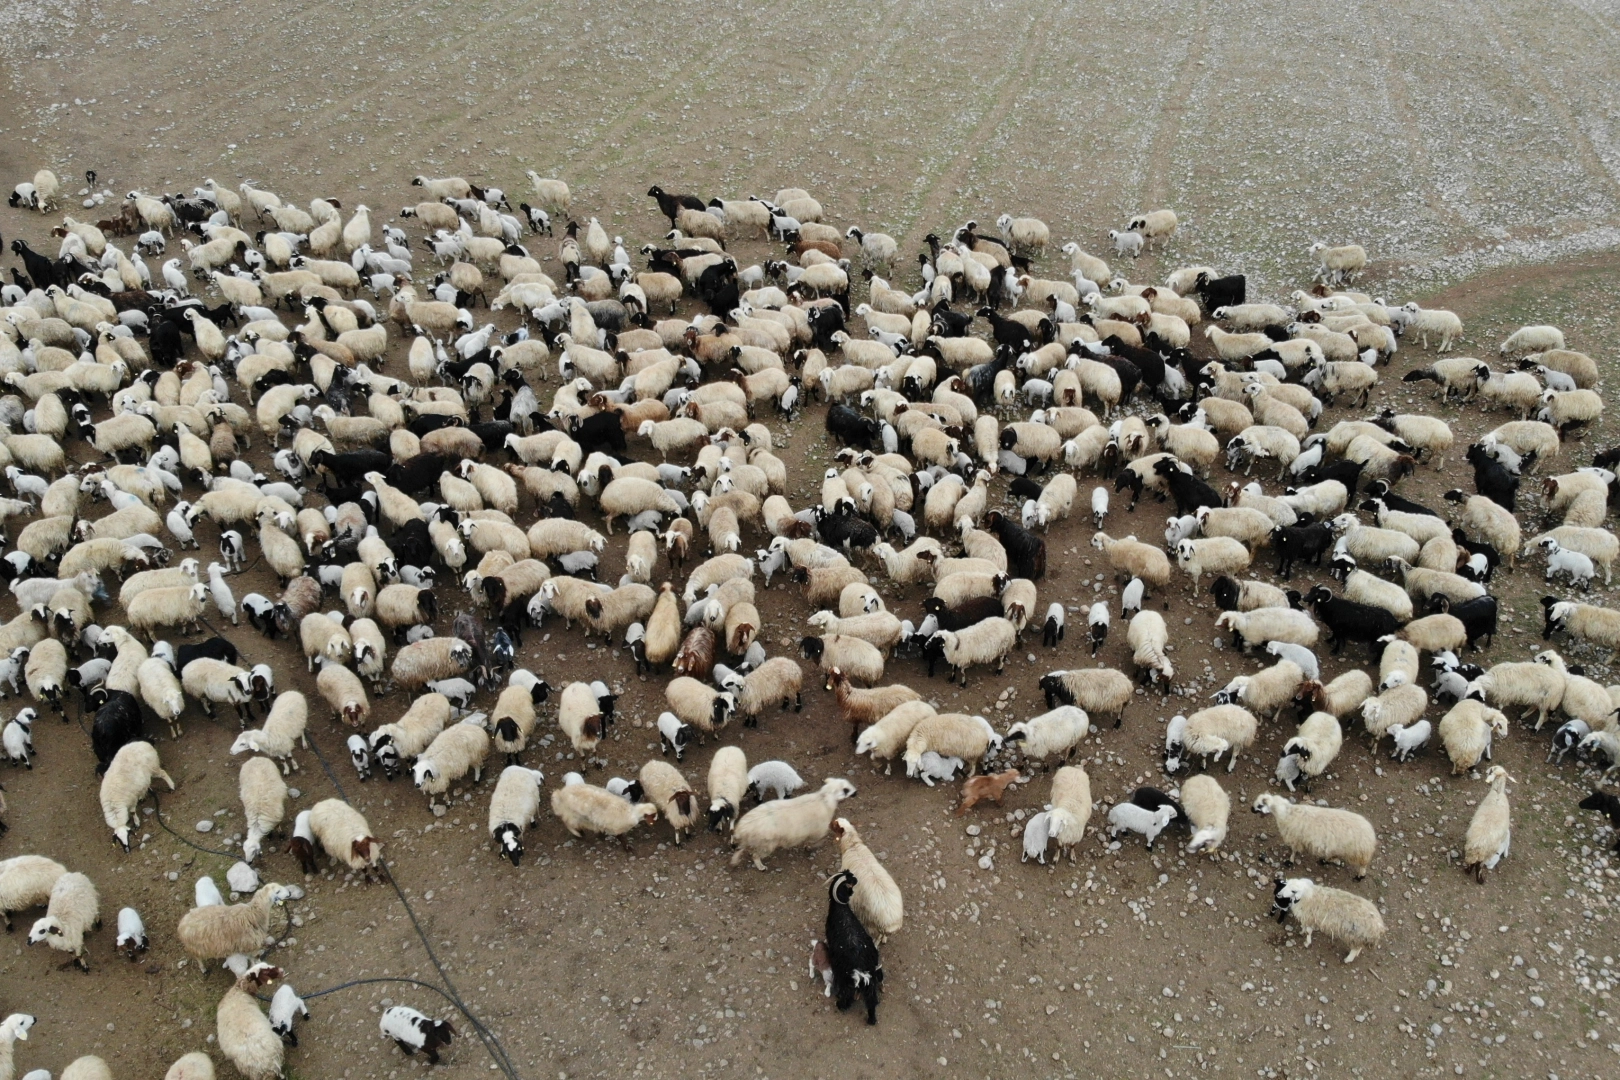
[(40, 269), (1007, 331), (1188, 491), (1608, 805), (117, 722), (1477, 615), (1348, 620), (1492, 479), (599, 431), (1222, 291), (1345, 472), (857, 967), (215, 648), (967, 613), (1152, 798), (851, 428), (669, 205)]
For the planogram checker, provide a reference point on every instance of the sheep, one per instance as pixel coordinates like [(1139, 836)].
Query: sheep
[(782, 823), (246, 1037), (1342, 916), (1215, 555), (1599, 545), (1488, 837), (778, 679), (512, 809), (1127, 243), (406, 738), (26, 881), (859, 659), (216, 931), (1266, 692), (74, 909), (1444, 325), (154, 608), (728, 786), (422, 662), (1207, 808), (990, 640), (1364, 588), (263, 793), (132, 940), (1268, 624), (456, 751), (968, 738), (1057, 731), (1128, 817), (1098, 691), (668, 790), (1435, 633), (1147, 637), (1326, 833), (587, 808), (1311, 750), (1339, 265), (1537, 687), (1467, 730), (888, 737), (1211, 732), (1131, 558), (1532, 339), (125, 784)]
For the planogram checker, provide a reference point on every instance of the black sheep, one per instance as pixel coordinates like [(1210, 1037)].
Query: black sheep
[(1478, 616), (1189, 492), (844, 530), (1492, 479), (1381, 489), (857, 967), (599, 431), (969, 612), (950, 323), (1221, 292), (419, 474), (669, 205), (1023, 488), (412, 543), (1608, 805), (850, 427), (825, 321), (1348, 620), (1345, 472), (1129, 478), (167, 343), (350, 467), (1007, 331), (1298, 542), (421, 425), (117, 722), (215, 648), (1026, 552)]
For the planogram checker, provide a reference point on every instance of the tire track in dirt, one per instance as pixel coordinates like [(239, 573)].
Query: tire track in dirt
[(1002, 99), (1162, 146), (1529, 69)]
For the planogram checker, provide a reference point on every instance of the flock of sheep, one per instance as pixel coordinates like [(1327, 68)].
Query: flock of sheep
[(392, 495)]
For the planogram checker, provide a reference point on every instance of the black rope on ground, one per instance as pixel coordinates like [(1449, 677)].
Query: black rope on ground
[(157, 812), (491, 1044)]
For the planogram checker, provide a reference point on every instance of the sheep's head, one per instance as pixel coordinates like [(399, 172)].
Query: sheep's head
[(1265, 803), (45, 929)]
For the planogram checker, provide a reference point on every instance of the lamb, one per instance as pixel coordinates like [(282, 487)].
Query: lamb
[(245, 1036), (1128, 817), (125, 784), (1057, 731), (950, 735), (1127, 243), (1490, 831), (1342, 916), (1099, 691), (74, 910), (1322, 832), (26, 881), (1207, 808), (217, 931), (263, 793), (990, 640), (795, 822), (132, 940), (456, 751), (1599, 545)]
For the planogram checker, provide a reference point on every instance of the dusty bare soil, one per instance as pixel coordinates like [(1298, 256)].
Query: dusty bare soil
[(1269, 126)]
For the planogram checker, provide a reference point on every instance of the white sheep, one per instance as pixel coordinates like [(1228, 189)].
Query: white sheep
[(1532, 339), (1214, 555), (283, 727), (1208, 808), (1467, 731), (1058, 731), (1312, 749), (245, 1036), (1342, 916), (1409, 739), (1444, 325), (264, 795), (1127, 243), (794, 822), (125, 784), (1489, 834), (131, 940), (26, 881), (216, 931), (73, 911), (345, 835), (1339, 265), (1322, 832), (513, 808), (456, 751), (1249, 628)]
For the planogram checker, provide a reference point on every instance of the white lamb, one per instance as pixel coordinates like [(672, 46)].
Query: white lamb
[(1130, 817)]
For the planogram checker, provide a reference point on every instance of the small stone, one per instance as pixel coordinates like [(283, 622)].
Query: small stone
[(205, 825), (242, 878), (973, 830), (293, 792)]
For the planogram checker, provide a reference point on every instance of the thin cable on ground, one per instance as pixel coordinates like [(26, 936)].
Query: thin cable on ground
[(491, 1044), (157, 812)]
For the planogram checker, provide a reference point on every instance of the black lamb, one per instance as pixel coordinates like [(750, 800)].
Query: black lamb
[(1026, 552), (1348, 620), (857, 967), (117, 723), (1345, 472), (844, 529), (1007, 331), (599, 431)]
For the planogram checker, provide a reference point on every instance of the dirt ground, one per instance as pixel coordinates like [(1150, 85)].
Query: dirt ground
[(592, 961)]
